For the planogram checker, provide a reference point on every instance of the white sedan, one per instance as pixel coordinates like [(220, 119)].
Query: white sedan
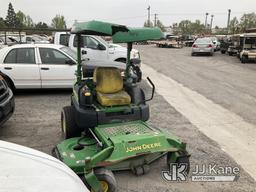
[(35, 66), (38, 66)]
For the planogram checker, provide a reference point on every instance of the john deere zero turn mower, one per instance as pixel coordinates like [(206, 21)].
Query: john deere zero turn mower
[(105, 127)]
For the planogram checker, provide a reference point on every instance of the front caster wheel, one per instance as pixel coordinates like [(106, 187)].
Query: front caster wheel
[(141, 170), (183, 158), (107, 180)]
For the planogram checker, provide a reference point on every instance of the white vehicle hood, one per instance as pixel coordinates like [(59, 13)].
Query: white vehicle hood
[(119, 48), (97, 63), (26, 170)]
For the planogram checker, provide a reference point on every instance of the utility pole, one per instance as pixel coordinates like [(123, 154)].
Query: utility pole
[(229, 12), (148, 15), (206, 15), (211, 21), (155, 19)]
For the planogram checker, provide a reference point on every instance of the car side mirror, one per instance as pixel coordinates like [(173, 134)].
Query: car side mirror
[(101, 47), (69, 61)]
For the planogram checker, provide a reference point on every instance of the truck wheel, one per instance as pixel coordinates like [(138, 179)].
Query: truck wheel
[(243, 59), (107, 180), (68, 124), (9, 82)]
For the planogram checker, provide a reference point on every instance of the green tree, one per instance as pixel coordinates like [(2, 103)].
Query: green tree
[(234, 26), (58, 22), (2, 22), (11, 19), (150, 24), (160, 25), (21, 17), (220, 31), (41, 25), (29, 22), (197, 27), (185, 27), (175, 29), (247, 21), (24, 20)]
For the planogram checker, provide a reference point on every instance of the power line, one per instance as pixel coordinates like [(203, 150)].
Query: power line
[(170, 14)]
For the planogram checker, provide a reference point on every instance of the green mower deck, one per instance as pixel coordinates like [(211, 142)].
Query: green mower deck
[(116, 145)]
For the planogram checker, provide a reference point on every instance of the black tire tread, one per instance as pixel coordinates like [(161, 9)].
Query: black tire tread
[(104, 174), (71, 127)]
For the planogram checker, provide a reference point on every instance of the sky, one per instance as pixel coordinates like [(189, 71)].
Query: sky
[(130, 12)]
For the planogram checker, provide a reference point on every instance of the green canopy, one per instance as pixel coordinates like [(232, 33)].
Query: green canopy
[(138, 34), (97, 28)]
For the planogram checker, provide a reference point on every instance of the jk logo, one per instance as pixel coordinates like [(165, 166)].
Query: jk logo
[(177, 172)]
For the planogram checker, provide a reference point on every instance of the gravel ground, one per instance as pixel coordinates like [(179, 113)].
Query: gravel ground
[(36, 124)]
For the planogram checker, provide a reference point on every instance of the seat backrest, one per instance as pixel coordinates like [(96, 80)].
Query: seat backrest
[(108, 79)]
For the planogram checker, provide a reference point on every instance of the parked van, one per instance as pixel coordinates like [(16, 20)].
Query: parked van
[(248, 48)]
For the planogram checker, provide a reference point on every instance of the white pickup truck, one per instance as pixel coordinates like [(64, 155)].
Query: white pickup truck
[(95, 48)]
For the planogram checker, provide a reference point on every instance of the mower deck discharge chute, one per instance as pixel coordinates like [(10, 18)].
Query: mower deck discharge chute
[(105, 127)]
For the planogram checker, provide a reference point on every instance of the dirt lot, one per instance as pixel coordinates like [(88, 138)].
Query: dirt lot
[(36, 121)]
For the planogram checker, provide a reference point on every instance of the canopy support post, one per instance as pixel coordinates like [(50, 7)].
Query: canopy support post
[(79, 60), (128, 61)]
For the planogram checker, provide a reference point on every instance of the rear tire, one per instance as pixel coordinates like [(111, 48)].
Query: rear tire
[(137, 95), (68, 124)]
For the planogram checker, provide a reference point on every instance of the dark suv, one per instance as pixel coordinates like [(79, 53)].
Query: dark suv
[(6, 101)]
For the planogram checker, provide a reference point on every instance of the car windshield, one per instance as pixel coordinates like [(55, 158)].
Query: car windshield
[(250, 40), (38, 37), (69, 51), (35, 38), (203, 40)]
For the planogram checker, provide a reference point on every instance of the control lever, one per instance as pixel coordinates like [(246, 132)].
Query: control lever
[(153, 89)]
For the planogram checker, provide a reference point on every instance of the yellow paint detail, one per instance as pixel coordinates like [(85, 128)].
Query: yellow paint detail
[(87, 94), (104, 186), (143, 147)]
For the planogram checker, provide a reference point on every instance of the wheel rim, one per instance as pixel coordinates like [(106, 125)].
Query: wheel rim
[(104, 186)]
